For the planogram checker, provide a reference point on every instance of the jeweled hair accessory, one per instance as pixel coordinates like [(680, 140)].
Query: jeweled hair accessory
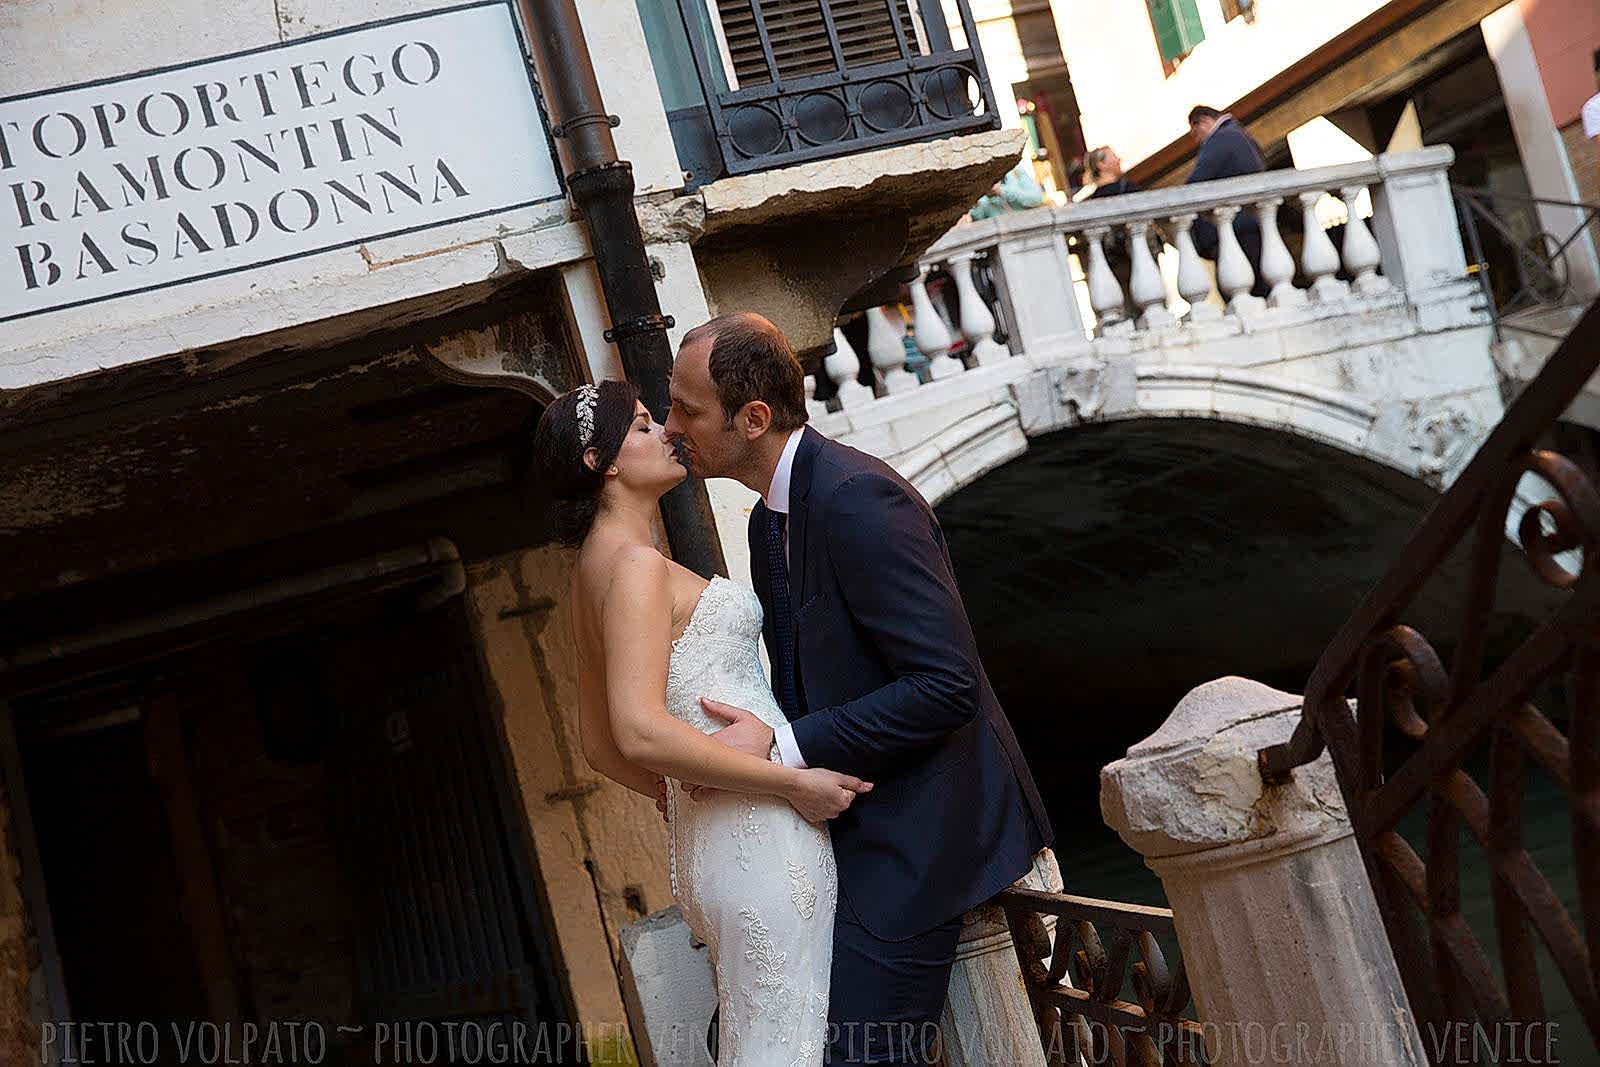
[(588, 398)]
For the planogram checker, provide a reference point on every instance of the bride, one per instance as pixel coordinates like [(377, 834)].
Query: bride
[(752, 865)]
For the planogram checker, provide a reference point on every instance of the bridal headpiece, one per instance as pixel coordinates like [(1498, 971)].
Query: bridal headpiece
[(588, 398)]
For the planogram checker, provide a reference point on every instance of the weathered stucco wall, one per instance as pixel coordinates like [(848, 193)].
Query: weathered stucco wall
[(1565, 34), (600, 849)]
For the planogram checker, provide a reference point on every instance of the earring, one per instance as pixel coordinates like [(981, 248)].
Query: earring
[(612, 470)]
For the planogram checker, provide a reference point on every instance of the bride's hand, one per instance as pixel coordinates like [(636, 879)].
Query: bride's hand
[(819, 794)]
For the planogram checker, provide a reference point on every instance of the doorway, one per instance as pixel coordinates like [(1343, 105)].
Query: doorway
[(302, 832)]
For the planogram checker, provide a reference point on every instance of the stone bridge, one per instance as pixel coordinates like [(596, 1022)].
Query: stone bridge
[(1377, 345)]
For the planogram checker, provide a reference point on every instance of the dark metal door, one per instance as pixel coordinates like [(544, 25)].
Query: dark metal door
[(445, 917)]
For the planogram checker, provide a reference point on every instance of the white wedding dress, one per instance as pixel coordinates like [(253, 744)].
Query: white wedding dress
[(754, 880)]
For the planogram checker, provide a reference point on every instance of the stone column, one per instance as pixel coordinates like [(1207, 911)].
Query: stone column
[(1280, 934), (1034, 275), (987, 1016), (1414, 222)]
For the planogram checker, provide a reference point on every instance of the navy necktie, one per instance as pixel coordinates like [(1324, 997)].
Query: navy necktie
[(782, 616)]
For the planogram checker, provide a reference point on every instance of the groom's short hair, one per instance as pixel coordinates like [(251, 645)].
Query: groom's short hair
[(752, 360)]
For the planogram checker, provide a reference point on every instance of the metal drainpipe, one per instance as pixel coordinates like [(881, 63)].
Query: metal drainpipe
[(602, 186)]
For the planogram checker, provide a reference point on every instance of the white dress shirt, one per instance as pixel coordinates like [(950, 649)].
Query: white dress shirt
[(777, 499)]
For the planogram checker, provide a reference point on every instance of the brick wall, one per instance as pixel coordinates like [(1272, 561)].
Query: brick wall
[(1585, 161)]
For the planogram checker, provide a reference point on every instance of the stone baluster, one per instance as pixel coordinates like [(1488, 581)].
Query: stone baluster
[(1194, 281), (1274, 913), (1361, 256), (843, 368), (977, 321), (1105, 292), (1318, 258), (814, 407), (1277, 265), (1235, 276), (887, 353), (933, 336), (1149, 292)]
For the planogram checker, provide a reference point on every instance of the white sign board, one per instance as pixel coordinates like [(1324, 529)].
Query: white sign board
[(194, 171)]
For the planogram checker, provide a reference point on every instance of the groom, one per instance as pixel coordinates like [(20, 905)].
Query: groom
[(876, 668)]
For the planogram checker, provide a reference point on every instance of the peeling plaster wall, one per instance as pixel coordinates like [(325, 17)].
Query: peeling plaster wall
[(600, 849)]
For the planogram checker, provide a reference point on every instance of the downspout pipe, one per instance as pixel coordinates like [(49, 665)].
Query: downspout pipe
[(602, 186)]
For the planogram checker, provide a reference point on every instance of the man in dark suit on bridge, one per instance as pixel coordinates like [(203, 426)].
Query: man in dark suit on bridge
[(1226, 151)]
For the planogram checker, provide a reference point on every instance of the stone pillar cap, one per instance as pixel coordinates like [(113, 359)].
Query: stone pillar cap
[(1193, 785)]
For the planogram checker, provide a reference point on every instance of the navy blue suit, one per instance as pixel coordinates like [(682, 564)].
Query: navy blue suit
[(890, 688), (1228, 153)]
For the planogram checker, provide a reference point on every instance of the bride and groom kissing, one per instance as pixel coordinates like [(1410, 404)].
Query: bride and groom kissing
[(834, 823)]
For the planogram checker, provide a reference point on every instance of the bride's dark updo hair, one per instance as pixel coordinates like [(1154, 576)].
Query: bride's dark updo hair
[(590, 416)]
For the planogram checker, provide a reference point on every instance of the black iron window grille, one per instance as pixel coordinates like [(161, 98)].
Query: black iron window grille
[(788, 81)]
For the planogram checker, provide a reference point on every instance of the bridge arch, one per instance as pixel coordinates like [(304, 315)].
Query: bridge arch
[(948, 447), (1110, 567)]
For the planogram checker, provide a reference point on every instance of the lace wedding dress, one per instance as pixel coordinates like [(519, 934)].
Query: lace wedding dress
[(754, 880)]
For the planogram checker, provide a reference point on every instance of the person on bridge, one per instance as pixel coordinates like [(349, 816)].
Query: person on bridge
[(1017, 191), (1226, 151), (1105, 170)]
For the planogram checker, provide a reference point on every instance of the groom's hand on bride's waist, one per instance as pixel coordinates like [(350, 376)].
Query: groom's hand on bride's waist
[(743, 733)]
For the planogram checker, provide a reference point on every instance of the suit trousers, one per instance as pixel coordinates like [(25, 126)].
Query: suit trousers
[(885, 997)]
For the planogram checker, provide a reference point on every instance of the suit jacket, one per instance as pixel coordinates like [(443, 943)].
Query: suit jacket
[(1228, 153), (891, 689)]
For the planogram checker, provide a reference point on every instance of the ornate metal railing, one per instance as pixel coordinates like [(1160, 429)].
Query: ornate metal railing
[(1446, 716), (814, 92), (1106, 946)]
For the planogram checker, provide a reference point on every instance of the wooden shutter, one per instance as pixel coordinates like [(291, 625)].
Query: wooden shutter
[(1177, 25), (800, 37)]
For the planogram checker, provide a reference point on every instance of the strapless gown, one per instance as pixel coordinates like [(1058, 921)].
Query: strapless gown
[(754, 880)]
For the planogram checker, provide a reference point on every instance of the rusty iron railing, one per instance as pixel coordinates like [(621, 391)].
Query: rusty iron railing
[(1084, 1014), (1543, 277), (1447, 716)]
